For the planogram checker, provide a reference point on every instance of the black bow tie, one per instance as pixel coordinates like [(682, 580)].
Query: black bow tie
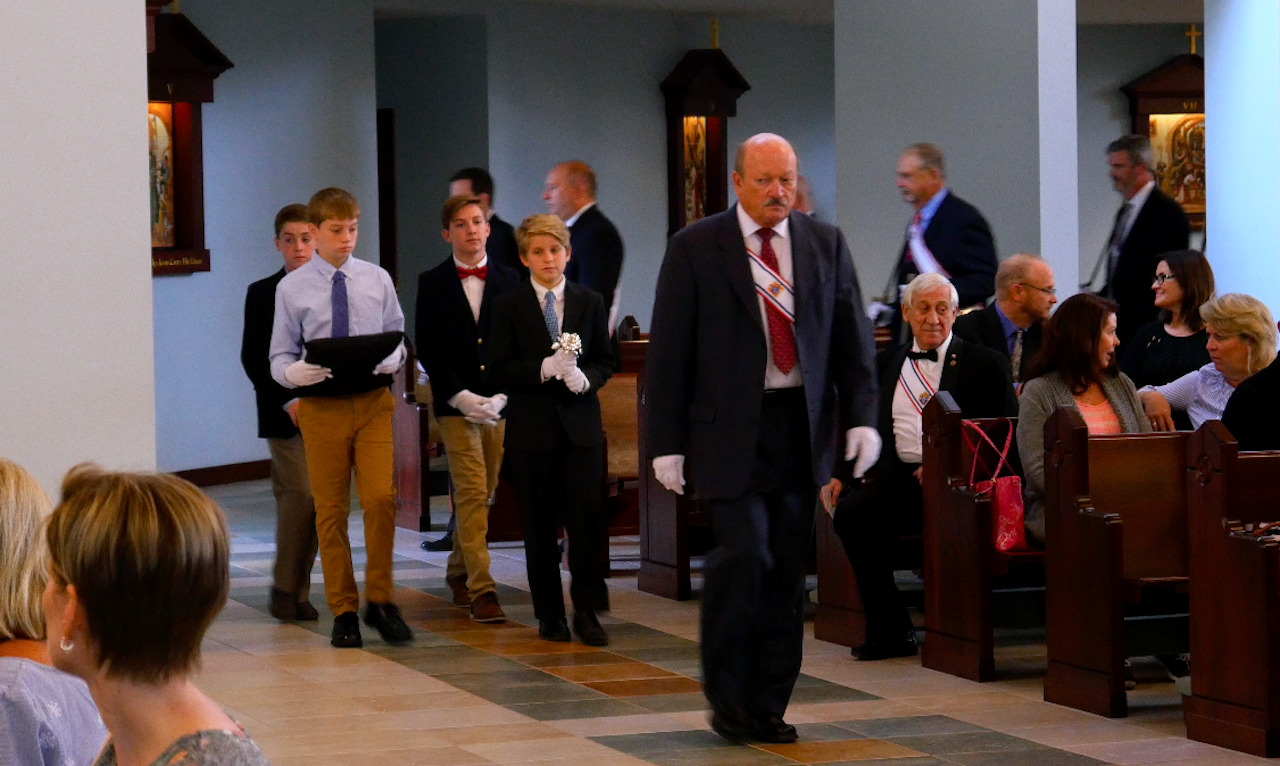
[(931, 355)]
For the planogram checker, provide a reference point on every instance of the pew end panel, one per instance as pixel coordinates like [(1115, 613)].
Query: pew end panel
[(1235, 595)]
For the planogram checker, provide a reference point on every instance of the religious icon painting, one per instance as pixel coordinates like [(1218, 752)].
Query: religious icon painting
[(160, 143), (1177, 158)]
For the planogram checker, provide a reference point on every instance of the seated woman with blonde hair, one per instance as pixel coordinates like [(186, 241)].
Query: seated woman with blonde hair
[(47, 717), (1242, 341), (140, 566)]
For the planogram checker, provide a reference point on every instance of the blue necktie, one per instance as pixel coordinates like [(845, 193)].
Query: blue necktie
[(549, 315), (341, 316)]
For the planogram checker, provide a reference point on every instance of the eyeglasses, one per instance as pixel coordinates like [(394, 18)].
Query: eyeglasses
[(1046, 290), (1160, 279)]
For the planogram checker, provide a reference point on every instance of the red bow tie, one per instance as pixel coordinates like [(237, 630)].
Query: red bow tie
[(481, 272)]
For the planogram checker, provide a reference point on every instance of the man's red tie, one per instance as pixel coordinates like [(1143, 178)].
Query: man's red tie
[(781, 337), (481, 272)]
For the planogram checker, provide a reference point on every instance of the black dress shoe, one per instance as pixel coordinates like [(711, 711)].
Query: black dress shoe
[(283, 606), (386, 619), (305, 612), (774, 730), (346, 631), (730, 727), (442, 545), (869, 651), (588, 628), (553, 630)]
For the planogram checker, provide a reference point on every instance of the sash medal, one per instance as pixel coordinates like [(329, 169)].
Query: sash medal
[(916, 387), (773, 288)]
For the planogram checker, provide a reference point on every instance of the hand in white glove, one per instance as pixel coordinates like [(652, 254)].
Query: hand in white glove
[(669, 470), (577, 381), (862, 445), (469, 404), (303, 373), (497, 403), (391, 363), (558, 365)]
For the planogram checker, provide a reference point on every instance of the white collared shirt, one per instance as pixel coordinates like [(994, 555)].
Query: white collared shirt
[(1135, 204), (558, 291), (574, 218), (781, 242), (908, 425), (473, 286)]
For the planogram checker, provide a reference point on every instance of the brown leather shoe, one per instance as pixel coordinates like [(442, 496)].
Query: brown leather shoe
[(485, 608), (458, 584)]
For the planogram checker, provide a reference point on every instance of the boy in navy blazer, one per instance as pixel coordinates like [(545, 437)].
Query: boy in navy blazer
[(554, 430), (455, 304)]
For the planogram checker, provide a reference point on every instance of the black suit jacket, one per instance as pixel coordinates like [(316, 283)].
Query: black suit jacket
[(501, 247), (704, 373), (450, 342), (1160, 227), (1252, 414), (536, 410), (984, 328), (255, 356), (976, 376), (596, 258), (960, 239)]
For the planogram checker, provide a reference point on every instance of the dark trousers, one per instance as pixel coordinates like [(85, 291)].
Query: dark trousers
[(869, 523), (753, 591), (561, 485)]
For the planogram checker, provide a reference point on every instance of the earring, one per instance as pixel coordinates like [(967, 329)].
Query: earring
[(66, 645)]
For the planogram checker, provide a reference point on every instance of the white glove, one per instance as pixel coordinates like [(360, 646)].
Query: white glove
[(577, 381), (391, 363), (558, 365), (495, 405), (469, 404), (863, 444), (879, 313), (303, 373), (669, 470)]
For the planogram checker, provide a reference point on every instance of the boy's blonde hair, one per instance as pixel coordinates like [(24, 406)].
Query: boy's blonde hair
[(332, 204), (541, 224), (23, 508)]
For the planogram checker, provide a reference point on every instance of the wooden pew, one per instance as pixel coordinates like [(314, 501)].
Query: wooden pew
[(1235, 595), (1115, 559), (963, 572)]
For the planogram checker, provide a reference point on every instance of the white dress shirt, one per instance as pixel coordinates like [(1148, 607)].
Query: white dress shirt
[(781, 242), (1135, 204), (557, 291), (473, 286), (908, 425)]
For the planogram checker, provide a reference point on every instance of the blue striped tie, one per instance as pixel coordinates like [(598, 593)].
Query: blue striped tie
[(549, 315), (341, 316)]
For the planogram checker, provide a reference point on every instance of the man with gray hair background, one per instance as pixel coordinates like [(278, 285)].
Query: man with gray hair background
[(869, 520), (1147, 225)]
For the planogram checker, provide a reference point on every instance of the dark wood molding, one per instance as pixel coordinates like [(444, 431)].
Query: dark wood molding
[(226, 474)]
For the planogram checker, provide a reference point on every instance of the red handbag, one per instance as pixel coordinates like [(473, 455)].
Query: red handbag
[(1005, 491)]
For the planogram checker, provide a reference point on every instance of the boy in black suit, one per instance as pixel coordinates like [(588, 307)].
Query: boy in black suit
[(455, 304), (554, 430), (278, 424)]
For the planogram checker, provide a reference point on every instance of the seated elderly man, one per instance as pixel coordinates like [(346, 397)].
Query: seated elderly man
[(870, 518), (1242, 341)]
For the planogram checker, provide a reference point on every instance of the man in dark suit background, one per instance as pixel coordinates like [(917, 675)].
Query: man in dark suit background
[(757, 324), (455, 306), (946, 235), (869, 521), (1148, 224), (555, 433), (570, 193), (501, 247), (296, 542), (1012, 324)]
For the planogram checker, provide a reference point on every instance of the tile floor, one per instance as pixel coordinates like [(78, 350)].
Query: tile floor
[(465, 694)]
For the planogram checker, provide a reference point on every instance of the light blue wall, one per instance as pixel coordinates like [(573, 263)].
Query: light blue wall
[(296, 114), (1110, 56), (960, 75), (432, 71)]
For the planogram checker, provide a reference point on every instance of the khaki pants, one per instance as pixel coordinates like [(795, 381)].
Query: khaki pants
[(342, 433), (296, 543), (475, 456)]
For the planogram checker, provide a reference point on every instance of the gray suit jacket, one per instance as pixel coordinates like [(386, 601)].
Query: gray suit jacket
[(1040, 397)]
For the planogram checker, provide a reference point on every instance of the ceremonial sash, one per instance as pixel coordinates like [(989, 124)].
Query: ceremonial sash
[(915, 386), (770, 286), (920, 253)]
